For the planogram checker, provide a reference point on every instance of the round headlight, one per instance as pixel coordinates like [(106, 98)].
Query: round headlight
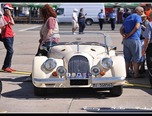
[(95, 70), (50, 64), (61, 71), (107, 63)]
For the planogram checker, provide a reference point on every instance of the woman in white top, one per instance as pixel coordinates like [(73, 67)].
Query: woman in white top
[(49, 33)]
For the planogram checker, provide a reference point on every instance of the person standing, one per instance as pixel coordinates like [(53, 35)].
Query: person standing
[(49, 33), (8, 37), (143, 27), (2, 20), (148, 10), (120, 16), (112, 17), (147, 47), (101, 18), (74, 21), (127, 13), (81, 21), (130, 31), (2, 24)]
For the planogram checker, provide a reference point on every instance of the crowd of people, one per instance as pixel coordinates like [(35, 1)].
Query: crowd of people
[(136, 33), (135, 30)]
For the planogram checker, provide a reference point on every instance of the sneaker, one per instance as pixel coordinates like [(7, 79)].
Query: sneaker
[(7, 69), (12, 69), (74, 33)]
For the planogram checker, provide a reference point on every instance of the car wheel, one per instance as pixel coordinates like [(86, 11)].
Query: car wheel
[(0, 87), (40, 91), (89, 21), (116, 90), (30, 75)]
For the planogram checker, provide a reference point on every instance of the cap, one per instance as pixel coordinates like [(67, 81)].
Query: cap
[(143, 15), (75, 10), (9, 6)]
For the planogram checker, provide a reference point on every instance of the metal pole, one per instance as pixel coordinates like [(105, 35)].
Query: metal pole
[(30, 15)]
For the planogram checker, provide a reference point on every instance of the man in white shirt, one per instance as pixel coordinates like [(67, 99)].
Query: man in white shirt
[(113, 16), (74, 21), (101, 17)]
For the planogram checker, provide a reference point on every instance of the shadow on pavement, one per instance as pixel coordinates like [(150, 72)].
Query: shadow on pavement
[(25, 90)]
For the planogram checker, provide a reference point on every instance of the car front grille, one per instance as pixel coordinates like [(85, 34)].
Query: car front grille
[(78, 64)]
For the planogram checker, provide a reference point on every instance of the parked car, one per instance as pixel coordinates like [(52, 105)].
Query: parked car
[(80, 61)]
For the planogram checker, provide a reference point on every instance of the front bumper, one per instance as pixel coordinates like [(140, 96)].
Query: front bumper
[(77, 82)]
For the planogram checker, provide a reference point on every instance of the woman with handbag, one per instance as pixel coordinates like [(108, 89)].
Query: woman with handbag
[(49, 33)]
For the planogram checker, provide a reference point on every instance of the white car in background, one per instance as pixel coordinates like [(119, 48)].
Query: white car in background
[(91, 10)]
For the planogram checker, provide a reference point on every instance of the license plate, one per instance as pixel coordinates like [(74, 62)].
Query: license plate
[(102, 85)]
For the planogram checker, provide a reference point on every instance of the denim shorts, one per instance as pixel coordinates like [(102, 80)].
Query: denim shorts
[(132, 50)]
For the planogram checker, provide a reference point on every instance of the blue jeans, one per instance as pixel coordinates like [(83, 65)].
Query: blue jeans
[(8, 43), (81, 25)]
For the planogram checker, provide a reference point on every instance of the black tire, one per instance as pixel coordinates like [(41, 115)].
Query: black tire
[(89, 22), (0, 87), (40, 91), (116, 90), (30, 75)]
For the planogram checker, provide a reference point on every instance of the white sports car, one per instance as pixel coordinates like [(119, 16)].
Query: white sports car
[(80, 61)]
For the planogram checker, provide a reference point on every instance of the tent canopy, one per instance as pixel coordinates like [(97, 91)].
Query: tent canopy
[(36, 5), (124, 5)]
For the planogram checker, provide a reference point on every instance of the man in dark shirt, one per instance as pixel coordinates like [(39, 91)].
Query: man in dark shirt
[(127, 13), (81, 21)]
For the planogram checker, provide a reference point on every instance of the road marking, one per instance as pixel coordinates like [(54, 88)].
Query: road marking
[(17, 72), (30, 28), (137, 85), (3, 111)]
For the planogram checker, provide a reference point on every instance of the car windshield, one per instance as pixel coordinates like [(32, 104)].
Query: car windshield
[(86, 38)]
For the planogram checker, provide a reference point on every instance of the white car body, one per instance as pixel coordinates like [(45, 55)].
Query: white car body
[(80, 62)]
